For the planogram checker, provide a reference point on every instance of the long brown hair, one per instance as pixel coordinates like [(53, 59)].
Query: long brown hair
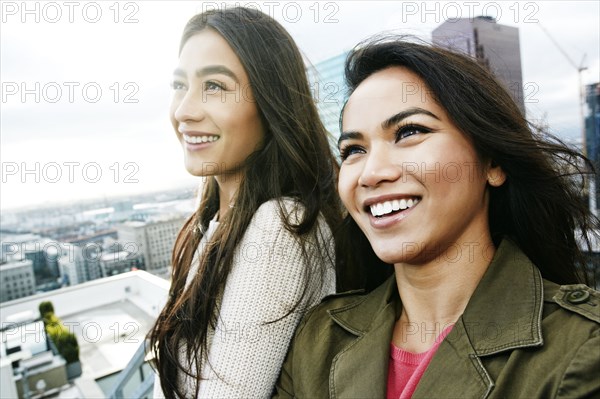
[(295, 161), (539, 206)]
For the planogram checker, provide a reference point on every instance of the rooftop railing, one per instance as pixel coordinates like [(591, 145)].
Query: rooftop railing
[(132, 374)]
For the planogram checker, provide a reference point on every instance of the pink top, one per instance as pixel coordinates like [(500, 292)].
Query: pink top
[(406, 368)]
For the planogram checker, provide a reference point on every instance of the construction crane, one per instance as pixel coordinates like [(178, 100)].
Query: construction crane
[(580, 68)]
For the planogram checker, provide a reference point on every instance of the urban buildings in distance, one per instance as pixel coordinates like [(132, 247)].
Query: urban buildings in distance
[(592, 137), (153, 240), (329, 92), (17, 279), (46, 249), (493, 45)]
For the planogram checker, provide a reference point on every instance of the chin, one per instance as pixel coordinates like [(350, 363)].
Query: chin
[(399, 252), (195, 170), (390, 255)]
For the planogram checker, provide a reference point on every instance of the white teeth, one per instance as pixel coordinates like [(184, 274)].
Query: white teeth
[(403, 204), (199, 139), (387, 207), (384, 208)]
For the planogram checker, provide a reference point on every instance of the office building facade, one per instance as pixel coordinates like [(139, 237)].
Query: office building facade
[(81, 262), (495, 46), (592, 134), (330, 92), (154, 240), (17, 280)]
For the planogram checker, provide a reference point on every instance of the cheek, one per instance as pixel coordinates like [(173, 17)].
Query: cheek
[(346, 186), (172, 109), (248, 124), (447, 166)]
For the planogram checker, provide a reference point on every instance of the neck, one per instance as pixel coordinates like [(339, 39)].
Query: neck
[(435, 294), (228, 187)]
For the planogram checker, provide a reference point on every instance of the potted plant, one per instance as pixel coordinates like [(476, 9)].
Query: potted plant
[(62, 339)]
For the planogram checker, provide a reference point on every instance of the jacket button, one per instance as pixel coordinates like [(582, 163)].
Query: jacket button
[(579, 296)]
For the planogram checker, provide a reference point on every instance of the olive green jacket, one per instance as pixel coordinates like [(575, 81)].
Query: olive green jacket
[(519, 337)]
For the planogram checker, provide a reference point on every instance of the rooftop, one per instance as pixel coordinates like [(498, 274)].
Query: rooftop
[(109, 316)]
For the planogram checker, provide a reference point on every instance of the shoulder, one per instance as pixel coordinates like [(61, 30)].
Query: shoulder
[(269, 217), (359, 306), (276, 216), (574, 299), (272, 229), (572, 320), (320, 315), (342, 299), (285, 207)]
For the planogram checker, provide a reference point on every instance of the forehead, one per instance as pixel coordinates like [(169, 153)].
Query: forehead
[(208, 47), (386, 93)]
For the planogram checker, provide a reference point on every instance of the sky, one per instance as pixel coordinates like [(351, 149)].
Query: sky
[(85, 84)]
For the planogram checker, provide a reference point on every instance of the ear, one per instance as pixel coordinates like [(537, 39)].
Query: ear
[(495, 175)]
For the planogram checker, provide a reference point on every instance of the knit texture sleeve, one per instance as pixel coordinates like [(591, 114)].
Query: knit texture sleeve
[(270, 287)]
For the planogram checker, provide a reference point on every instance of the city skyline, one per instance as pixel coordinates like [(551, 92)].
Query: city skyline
[(108, 134)]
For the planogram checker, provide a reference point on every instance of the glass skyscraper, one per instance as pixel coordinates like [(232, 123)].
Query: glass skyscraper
[(493, 45), (329, 91), (592, 132)]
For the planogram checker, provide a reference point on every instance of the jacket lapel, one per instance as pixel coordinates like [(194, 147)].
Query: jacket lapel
[(505, 311), (360, 370), (454, 371), (503, 314)]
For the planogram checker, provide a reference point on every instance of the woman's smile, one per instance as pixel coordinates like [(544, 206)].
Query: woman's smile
[(408, 175)]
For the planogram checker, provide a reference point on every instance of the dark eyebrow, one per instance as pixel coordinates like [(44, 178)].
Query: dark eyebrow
[(209, 70), (394, 119), (349, 136), (389, 122)]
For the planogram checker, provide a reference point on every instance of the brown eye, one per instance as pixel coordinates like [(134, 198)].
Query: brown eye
[(212, 87), (176, 85), (410, 130), (349, 150)]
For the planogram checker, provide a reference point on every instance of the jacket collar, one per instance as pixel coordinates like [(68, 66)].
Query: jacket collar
[(358, 316), (503, 313), (371, 319)]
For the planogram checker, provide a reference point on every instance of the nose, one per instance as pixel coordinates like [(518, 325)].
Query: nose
[(188, 107), (379, 167)]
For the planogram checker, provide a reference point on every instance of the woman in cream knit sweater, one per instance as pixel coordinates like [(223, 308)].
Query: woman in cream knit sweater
[(259, 250)]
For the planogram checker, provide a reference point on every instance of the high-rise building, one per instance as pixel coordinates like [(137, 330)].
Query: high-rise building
[(40, 251), (161, 237), (494, 45), (114, 263), (154, 240), (329, 91), (81, 262), (592, 134), (16, 280)]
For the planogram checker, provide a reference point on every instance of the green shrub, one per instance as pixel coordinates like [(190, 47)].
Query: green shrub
[(54, 326), (45, 308), (67, 346), (64, 340)]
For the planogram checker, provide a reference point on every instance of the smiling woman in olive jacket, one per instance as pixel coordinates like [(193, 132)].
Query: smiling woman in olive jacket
[(483, 226)]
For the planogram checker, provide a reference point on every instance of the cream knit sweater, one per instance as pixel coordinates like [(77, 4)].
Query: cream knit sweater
[(267, 278)]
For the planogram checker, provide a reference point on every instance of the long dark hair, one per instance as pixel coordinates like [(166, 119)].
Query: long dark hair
[(295, 162), (539, 206)]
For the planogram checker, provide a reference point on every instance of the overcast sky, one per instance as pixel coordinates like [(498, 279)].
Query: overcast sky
[(85, 85)]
